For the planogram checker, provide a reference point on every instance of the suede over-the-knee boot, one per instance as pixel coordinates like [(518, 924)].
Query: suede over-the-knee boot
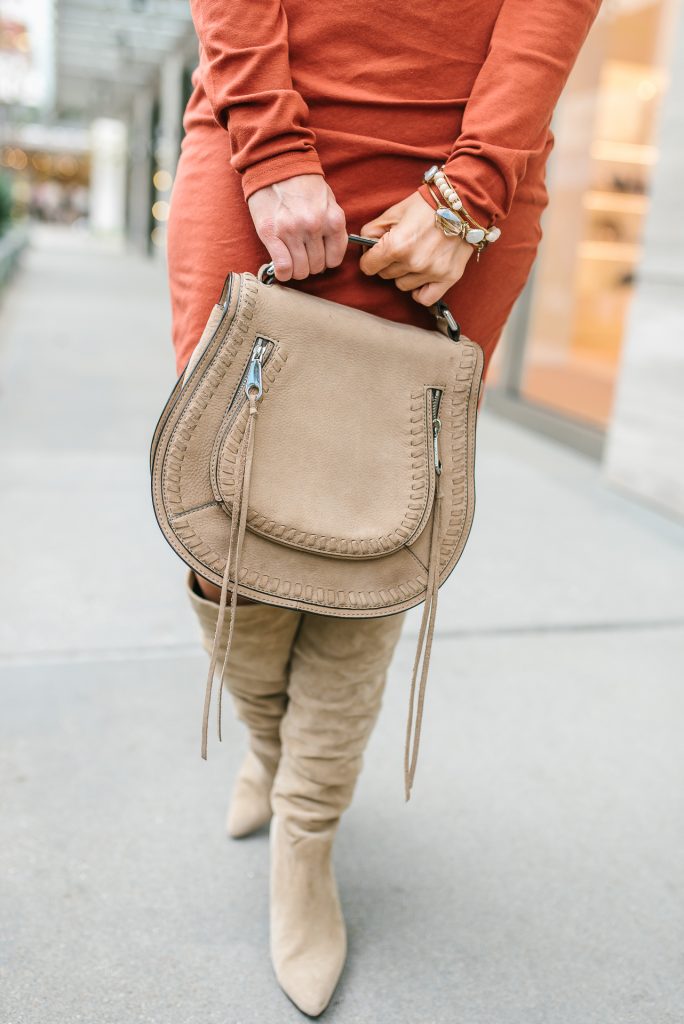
[(337, 677), (256, 677)]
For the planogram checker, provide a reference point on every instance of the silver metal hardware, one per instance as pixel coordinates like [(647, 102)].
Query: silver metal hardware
[(254, 380), (442, 310), (266, 274), (436, 427)]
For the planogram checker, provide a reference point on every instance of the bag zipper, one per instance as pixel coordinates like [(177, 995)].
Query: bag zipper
[(436, 427), (262, 349), (253, 378)]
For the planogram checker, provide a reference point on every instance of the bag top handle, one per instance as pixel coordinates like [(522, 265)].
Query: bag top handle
[(445, 318)]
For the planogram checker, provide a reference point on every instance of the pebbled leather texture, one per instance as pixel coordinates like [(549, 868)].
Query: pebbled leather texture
[(343, 476)]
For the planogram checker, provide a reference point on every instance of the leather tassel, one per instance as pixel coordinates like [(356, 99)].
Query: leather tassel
[(238, 528), (423, 652)]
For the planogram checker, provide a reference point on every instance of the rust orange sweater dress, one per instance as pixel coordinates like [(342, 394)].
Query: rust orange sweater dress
[(370, 95)]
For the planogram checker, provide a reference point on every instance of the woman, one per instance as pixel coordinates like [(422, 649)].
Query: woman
[(308, 121)]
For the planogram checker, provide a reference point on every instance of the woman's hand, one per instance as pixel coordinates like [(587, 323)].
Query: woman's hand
[(301, 225), (413, 252)]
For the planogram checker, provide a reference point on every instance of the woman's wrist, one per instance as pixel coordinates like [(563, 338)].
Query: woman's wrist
[(472, 187), (452, 214), (280, 167), (300, 224)]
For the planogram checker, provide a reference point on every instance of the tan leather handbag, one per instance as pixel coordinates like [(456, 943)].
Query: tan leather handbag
[(316, 457)]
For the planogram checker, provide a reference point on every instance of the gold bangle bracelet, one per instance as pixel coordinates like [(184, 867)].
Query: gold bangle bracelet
[(453, 225), (475, 233), (437, 177), (446, 219)]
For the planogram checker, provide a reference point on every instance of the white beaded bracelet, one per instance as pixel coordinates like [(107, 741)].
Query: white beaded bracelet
[(453, 218)]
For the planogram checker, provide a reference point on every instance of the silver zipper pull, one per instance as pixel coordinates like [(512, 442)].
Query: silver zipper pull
[(254, 380), (436, 427)]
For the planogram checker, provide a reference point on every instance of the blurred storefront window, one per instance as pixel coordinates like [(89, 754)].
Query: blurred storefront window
[(558, 365), (599, 179), (26, 52), (48, 171)]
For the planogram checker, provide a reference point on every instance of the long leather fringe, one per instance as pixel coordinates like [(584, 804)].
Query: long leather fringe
[(233, 563), (421, 663), (423, 650)]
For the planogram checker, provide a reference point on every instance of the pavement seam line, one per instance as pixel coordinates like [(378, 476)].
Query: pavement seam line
[(111, 654)]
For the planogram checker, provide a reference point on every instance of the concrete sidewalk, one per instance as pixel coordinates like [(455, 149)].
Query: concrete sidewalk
[(536, 876)]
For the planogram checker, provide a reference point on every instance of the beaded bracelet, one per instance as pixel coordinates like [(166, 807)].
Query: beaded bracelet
[(451, 216)]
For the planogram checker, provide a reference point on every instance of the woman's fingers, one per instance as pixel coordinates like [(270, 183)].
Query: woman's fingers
[(315, 252), (428, 294), (379, 258), (393, 271), (335, 238), (335, 246), (335, 234), (300, 256), (376, 227), (280, 255), (410, 282), (300, 259), (301, 225), (315, 245), (413, 253)]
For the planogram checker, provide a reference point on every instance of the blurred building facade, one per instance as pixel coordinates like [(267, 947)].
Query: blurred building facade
[(594, 353), (91, 103)]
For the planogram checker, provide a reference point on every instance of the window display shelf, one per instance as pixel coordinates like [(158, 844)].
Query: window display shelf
[(624, 152), (616, 252), (616, 202), (585, 276)]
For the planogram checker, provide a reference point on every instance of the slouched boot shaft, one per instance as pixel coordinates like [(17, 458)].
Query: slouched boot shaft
[(256, 679), (337, 678)]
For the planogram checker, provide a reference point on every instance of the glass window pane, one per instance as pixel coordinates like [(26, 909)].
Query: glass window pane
[(598, 183)]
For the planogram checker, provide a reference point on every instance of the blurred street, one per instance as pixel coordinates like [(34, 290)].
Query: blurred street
[(535, 877)]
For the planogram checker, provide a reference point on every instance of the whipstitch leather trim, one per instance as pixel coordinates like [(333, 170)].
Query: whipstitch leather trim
[(382, 598), (183, 535), (202, 395), (451, 542), (461, 505), (417, 503)]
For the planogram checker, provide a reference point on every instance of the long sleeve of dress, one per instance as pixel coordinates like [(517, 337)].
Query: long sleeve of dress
[(245, 71), (533, 48)]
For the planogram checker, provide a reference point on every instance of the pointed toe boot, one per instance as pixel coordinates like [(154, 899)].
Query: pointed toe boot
[(308, 934), (337, 677)]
